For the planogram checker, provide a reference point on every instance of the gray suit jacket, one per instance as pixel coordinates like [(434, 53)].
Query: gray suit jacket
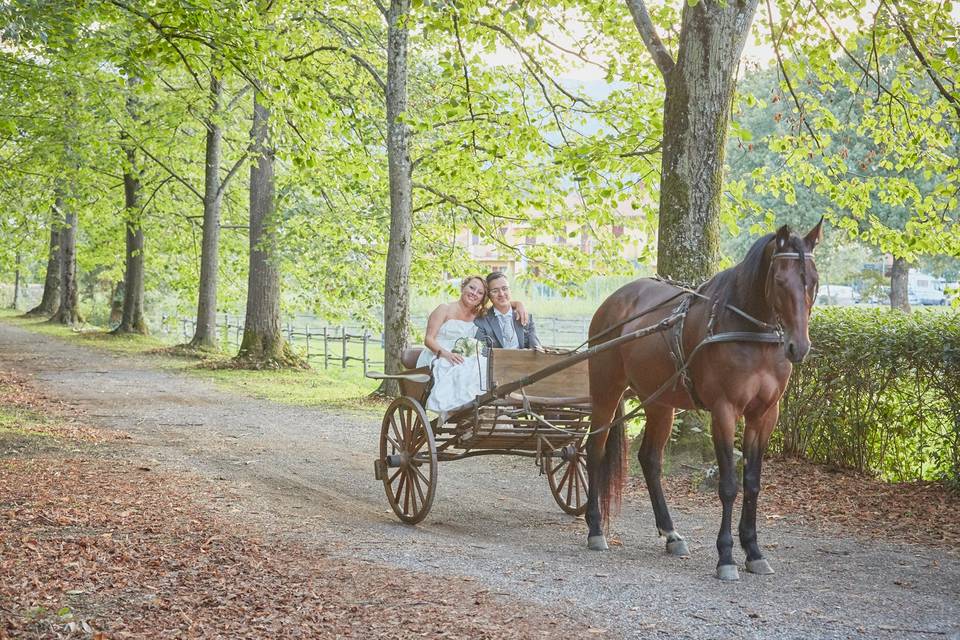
[(488, 331)]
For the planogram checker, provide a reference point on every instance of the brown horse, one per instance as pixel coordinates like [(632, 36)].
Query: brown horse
[(730, 352)]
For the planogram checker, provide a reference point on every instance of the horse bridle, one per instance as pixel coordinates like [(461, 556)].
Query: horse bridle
[(795, 255)]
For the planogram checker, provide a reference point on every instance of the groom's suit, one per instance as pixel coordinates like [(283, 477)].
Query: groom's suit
[(489, 332)]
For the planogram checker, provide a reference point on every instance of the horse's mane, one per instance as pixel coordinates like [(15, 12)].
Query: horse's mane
[(742, 285)]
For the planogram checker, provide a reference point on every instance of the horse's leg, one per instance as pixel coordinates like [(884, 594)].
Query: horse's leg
[(756, 435), (605, 405), (655, 437), (723, 427)]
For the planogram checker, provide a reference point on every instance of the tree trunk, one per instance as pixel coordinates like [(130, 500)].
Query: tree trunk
[(16, 283), (396, 299), (116, 305), (69, 311), (206, 332), (899, 285), (263, 344), (51, 283), (696, 113), (131, 320)]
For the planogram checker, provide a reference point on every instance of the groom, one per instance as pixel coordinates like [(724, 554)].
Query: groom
[(499, 326)]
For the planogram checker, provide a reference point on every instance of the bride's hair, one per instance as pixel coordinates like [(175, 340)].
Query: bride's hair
[(479, 308)]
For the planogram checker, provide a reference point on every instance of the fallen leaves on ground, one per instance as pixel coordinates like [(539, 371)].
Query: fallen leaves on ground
[(99, 547), (33, 411), (94, 546)]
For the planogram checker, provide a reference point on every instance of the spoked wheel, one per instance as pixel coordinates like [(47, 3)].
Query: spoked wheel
[(567, 474), (408, 460)]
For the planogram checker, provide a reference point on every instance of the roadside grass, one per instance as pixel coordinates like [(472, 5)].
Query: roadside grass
[(86, 334), (21, 422), (345, 388)]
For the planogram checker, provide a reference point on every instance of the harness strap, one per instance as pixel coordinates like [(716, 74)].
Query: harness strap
[(744, 336)]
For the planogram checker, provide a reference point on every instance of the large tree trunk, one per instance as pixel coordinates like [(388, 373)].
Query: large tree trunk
[(16, 283), (51, 283), (899, 285), (206, 332), (69, 311), (263, 344), (696, 113), (396, 298), (132, 320)]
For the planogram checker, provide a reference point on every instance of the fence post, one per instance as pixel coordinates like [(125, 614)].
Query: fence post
[(343, 349), (306, 331), (326, 349), (366, 335)]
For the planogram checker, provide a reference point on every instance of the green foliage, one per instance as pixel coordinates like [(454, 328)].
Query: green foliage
[(860, 123), (880, 394)]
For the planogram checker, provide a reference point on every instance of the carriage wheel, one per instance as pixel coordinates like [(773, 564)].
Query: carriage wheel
[(408, 458), (567, 474)]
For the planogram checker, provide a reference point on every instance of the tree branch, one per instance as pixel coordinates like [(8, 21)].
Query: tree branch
[(466, 79), (232, 172), (539, 68), (786, 78), (648, 32), (355, 57), (933, 75), (853, 59), (160, 30)]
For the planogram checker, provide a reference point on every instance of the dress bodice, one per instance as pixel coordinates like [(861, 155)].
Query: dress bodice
[(448, 334), (452, 330)]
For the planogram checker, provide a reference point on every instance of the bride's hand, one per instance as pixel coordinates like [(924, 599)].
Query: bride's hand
[(454, 358)]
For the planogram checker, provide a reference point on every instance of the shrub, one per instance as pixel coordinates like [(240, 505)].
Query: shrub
[(880, 393)]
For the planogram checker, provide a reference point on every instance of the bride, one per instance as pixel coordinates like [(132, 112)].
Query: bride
[(459, 374)]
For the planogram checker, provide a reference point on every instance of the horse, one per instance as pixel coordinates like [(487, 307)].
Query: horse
[(729, 348)]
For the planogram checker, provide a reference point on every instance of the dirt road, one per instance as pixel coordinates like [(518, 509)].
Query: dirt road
[(307, 474)]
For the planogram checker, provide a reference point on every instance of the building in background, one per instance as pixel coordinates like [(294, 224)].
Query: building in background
[(496, 256)]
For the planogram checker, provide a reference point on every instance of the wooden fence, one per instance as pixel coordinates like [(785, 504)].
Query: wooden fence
[(344, 345)]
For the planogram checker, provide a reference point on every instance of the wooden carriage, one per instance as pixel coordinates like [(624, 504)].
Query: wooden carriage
[(547, 419)]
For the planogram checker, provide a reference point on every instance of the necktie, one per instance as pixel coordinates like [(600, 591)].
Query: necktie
[(506, 327)]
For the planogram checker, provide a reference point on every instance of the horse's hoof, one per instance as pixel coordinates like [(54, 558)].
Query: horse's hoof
[(728, 572), (597, 543), (678, 548), (760, 567)]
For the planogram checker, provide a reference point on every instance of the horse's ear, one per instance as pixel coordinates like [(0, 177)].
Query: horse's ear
[(814, 236), (783, 236)]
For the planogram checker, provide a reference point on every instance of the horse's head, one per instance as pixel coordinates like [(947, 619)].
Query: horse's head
[(791, 286)]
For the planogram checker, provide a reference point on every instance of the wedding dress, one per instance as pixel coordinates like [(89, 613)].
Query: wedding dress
[(454, 385)]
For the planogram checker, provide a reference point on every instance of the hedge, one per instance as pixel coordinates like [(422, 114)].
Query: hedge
[(880, 393)]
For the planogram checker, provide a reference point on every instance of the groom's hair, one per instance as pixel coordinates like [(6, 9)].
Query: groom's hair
[(493, 275)]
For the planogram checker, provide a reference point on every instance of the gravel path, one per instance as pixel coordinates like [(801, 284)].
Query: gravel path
[(308, 474)]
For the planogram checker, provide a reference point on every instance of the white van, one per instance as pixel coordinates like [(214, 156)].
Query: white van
[(923, 288)]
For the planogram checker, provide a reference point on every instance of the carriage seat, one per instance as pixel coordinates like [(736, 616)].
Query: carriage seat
[(409, 357)]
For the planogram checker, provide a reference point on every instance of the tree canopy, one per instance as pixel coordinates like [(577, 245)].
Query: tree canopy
[(544, 116)]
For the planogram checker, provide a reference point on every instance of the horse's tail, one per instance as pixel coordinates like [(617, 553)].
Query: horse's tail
[(612, 472)]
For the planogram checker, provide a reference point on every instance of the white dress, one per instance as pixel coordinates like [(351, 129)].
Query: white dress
[(454, 385)]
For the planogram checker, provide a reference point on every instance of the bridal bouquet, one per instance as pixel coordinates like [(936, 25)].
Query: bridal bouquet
[(467, 347)]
